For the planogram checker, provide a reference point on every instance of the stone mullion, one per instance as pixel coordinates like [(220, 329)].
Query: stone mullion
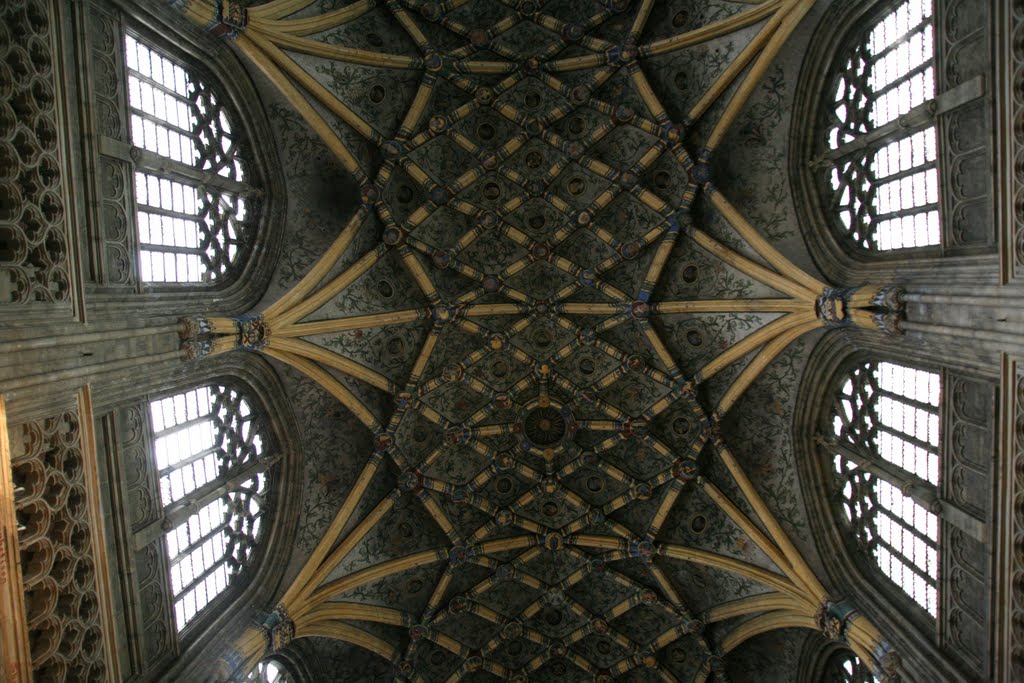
[(180, 511), (928, 407), (199, 579), (918, 118), (160, 86), (924, 445), (919, 69), (901, 213), (164, 123), (907, 562), (164, 249), (909, 484), (900, 175), (171, 561), (905, 38), (188, 460), (150, 162), (912, 486), (900, 521), (205, 417)]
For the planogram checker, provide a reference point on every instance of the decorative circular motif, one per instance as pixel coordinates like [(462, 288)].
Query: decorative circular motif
[(512, 630), (515, 261), (544, 426), (491, 284), (681, 426)]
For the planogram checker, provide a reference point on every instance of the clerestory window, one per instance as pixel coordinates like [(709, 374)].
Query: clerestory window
[(879, 170), (884, 447), (211, 457), (195, 203)]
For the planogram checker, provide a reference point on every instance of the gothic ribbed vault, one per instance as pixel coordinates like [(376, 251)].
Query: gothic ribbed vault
[(540, 310)]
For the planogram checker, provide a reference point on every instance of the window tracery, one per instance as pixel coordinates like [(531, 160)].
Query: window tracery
[(846, 667), (880, 167), (885, 424), (210, 454), (192, 188), (269, 671)]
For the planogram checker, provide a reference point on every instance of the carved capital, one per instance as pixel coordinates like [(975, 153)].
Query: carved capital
[(231, 19), (196, 349), (193, 327), (891, 298), (278, 629), (888, 322), (832, 618)]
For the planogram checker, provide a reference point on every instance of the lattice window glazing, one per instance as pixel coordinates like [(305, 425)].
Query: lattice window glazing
[(881, 181), (888, 413), (207, 448), (847, 668), (194, 214)]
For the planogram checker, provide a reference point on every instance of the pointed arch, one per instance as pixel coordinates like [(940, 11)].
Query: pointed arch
[(192, 207), (875, 152), (239, 457), (876, 478)]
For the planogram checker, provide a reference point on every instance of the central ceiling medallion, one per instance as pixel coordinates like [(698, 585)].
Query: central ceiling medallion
[(546, 424)]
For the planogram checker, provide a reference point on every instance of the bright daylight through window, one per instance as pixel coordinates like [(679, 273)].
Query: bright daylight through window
[(190, 181), (890, 413), (883, 178), (205, 442)]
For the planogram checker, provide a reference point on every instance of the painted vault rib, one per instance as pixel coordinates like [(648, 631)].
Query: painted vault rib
[(549, 424)]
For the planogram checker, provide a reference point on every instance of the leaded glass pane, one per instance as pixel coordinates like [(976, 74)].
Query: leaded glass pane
[(887, 412), (885, 195), (203, 440), (187, 233), (887, 73)]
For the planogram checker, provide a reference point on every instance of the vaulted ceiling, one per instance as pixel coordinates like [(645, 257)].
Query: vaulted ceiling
[(542, 316)]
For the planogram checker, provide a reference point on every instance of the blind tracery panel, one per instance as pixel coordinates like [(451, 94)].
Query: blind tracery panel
[(882, 182), (194, 212), (207, 449), (887, 413)]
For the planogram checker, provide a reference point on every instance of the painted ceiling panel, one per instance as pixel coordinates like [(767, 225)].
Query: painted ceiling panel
[(544, 364)]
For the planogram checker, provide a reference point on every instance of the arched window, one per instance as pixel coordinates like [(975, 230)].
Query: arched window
[(900, 453), (194, 204), (879, 175), (885, 452), (269, 671), (211, 456), (846, 667)]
